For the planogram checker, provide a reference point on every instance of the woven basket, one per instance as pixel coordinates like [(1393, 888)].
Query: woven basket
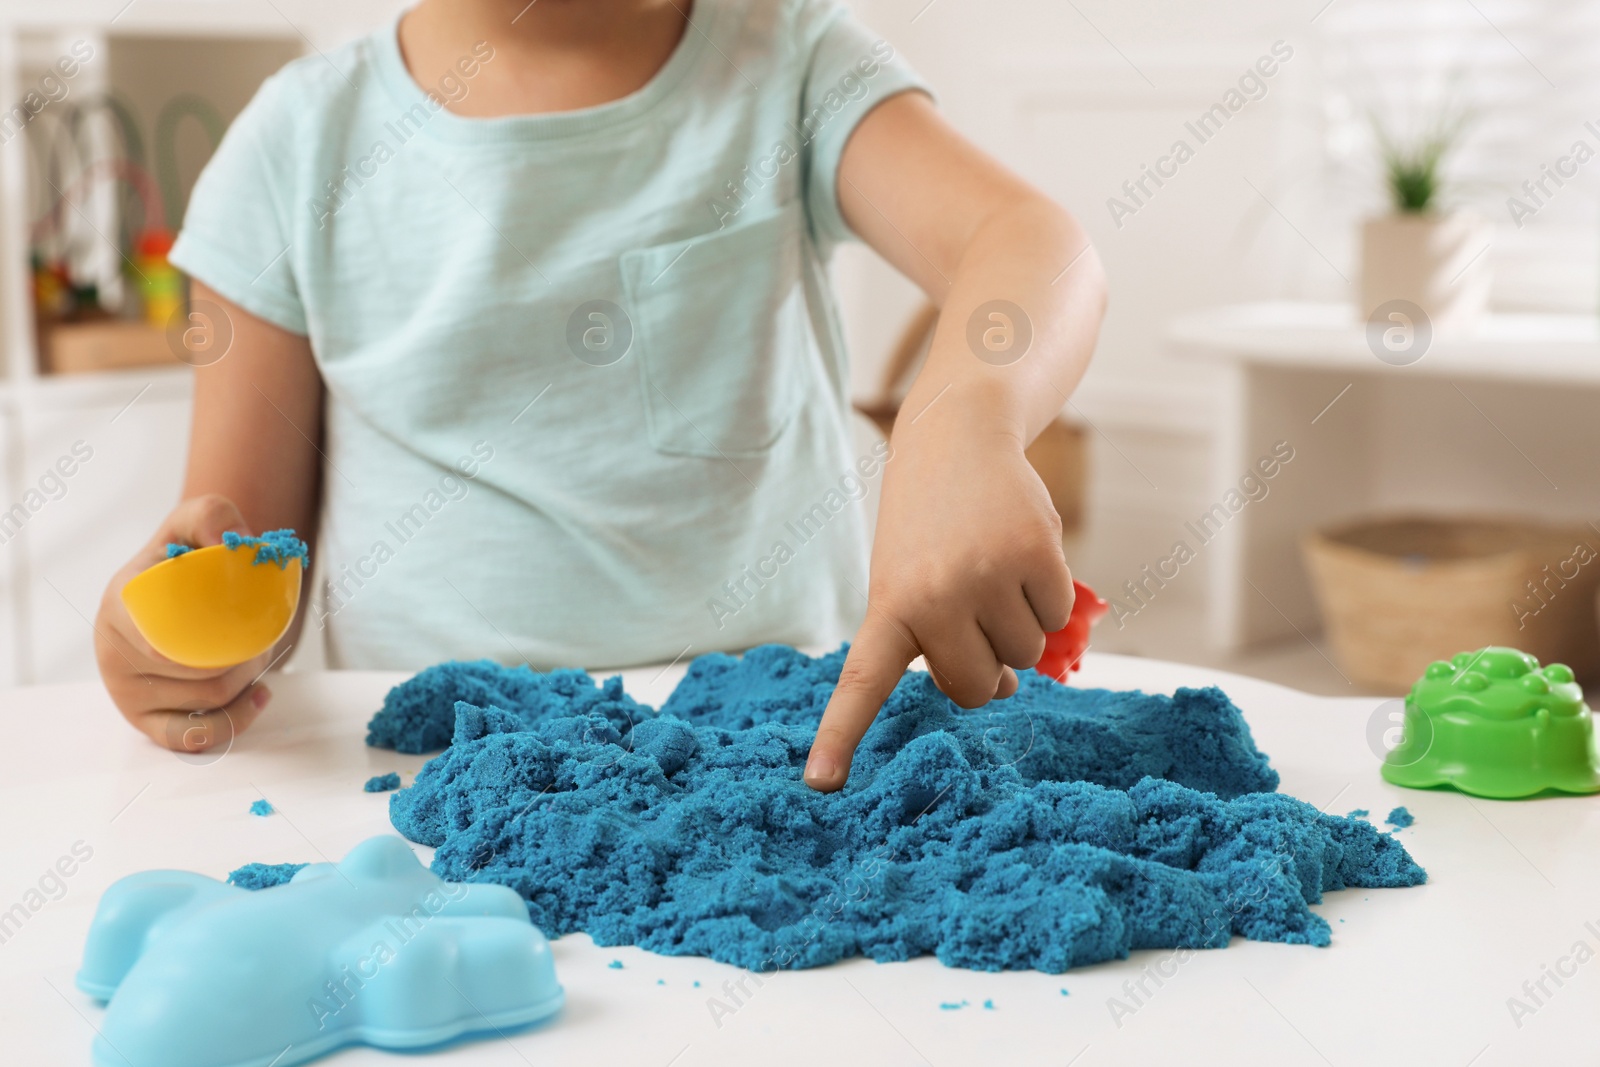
[(1398, 593)]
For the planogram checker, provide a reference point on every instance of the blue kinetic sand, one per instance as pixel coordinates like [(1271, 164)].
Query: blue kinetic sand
[(1053, 829), (274, 546), (382, 783), (261, 807), (419, 714), (374, 950), (1400, 818), (264, 875)]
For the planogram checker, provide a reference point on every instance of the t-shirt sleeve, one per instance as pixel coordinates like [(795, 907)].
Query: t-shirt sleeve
[(851, 71), (236, 233)]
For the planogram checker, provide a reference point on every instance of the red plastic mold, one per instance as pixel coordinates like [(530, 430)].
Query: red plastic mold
[(1064, 648)]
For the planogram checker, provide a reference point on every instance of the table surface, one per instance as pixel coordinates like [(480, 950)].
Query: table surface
[(1518, 347), (1414, 976)]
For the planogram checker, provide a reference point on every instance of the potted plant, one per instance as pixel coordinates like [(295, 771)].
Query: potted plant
[(1422, 252)]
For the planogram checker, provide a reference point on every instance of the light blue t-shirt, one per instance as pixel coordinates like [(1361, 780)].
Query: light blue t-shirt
[(586, 390)]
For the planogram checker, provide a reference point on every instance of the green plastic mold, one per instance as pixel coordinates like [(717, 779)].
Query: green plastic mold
[(1493, 723)]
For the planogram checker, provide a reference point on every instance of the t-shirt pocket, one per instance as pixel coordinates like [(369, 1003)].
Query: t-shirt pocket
[(722, 326)]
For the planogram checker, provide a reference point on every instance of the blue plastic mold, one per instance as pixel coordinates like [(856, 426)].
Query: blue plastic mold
[(372, 950)]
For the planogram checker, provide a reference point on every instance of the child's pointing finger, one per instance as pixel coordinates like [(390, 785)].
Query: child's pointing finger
[(876, 662)]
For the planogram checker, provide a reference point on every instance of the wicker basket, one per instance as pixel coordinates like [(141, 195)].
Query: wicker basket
[(1398, 593)]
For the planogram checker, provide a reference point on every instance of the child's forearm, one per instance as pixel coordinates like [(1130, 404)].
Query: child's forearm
[(256, 434), (1017, 326), (972, 235)]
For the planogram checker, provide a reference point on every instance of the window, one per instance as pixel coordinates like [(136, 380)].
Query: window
[(1526, 72)]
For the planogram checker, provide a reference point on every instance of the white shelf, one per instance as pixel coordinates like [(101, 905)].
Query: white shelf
[(69, 391), (155, 52), (1522, 347)]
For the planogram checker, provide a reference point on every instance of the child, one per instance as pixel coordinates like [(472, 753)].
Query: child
[(525, 313)]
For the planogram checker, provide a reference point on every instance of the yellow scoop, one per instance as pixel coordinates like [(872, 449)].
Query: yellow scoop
[(213, 607)]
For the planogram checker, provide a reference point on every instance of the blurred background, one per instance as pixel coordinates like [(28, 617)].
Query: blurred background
[(1342, 419)]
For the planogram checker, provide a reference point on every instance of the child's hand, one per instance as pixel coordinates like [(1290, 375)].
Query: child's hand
[(967, 568), (182, 708), (967, 571)]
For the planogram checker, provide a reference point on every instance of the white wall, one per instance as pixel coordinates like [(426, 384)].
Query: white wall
[(10, 560), (133, 428)]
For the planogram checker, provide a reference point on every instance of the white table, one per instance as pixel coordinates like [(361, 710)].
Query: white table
[(1500, 420), (1414, 976)]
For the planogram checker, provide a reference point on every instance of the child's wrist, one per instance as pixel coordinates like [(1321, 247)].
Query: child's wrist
[(976, 410)]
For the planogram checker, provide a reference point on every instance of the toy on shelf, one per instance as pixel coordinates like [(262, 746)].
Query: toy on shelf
[(1493, 723), (102, 192), (1065, 648), (375, 950), (54, 296), (221, 605), (160, 283), (78, 331)]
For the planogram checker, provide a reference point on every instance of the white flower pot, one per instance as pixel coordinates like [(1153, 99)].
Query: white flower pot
[(1440, 263)]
